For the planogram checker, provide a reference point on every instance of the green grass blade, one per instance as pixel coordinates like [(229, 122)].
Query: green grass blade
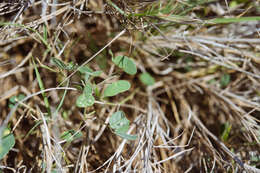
[(45, 98), (234, 20)]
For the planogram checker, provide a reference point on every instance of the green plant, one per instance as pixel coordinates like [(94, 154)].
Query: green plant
[(14, 99), (118, 121)]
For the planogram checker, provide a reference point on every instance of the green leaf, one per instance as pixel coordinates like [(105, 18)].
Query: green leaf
[(88, 89), (147, 79), (85, 69), (126, 63), (85, 100), (21, 97), (7, 144), (118, 120), (119, 61), (60, 64), (57, 62), (71, 66), (224, 80), (97, 92), (101, 60), (116, 88), (130, 67), (126, 136), (89, 72), (67, 135), (14, 99), (226, 131)]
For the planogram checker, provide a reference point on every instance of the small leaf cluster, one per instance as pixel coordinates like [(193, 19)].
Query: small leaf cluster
[(14, 99), (118, 122)]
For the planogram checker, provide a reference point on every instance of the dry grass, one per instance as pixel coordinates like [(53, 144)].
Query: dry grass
[(207, 76)]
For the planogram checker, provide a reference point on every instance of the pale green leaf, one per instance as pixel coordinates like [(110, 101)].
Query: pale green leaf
[(130, 67), (14, 99), (87, 70), (116, 88), (88, 89), (119, 61), (118, 120), (57, 62), (126, 63), (7, 144), (147, 79), (60, 64)]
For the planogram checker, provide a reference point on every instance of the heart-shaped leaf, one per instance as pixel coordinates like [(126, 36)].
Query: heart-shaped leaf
[(116, 88)]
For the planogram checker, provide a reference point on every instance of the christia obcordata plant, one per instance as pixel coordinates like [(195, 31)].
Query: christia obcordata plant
[(118, 122)]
